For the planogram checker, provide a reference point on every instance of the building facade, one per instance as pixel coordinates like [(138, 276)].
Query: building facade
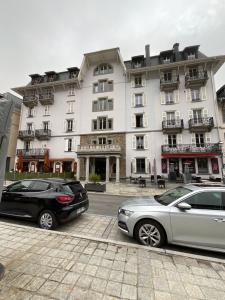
[(14, 127), (149, 115)]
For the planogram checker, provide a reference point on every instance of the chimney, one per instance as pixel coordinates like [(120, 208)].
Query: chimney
[(147, 54), (176, 52)]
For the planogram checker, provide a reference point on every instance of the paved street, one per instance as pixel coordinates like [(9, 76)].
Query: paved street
[(43, 265)]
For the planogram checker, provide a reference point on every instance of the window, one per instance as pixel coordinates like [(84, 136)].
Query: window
[(70, 107), (109, 141), (46, 125), (138, 81), (103, 69), (38, 186), (202, 165), (140, 142), (102, 104), (69, 125), (46, 110), (193, 72), (199, 139), (140, 165), (27, 145), (170, 116), (102, 141), (94, 142), (29, 127), (197, 115), (30, 112), (223, 114), (206, 200), (139, 120), (167, 76), (103, 86), (195, 95), (102, 123), (22, 186), (138, 100), (166, 60), (169, 98), (191, 55), (68, 145), (172, 140)]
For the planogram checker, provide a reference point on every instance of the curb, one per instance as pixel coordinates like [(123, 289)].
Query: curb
[(123, 244)]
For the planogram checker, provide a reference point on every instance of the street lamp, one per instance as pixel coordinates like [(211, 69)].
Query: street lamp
[(221, 156)]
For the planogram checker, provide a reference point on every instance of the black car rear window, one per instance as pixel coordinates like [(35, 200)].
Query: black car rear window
[(76, 187)]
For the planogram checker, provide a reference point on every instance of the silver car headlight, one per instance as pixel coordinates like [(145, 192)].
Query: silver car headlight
[(125, 212)]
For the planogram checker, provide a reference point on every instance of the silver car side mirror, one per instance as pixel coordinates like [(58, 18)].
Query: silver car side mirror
[(184, 206)]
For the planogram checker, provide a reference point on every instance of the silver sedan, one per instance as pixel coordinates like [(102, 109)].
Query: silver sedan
[(188, 215)]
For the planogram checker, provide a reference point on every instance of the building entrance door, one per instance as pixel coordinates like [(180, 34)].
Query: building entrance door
[(174, 166), (100, 167)]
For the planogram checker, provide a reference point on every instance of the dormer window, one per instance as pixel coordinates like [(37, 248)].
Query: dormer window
[(191, 55), (137, 64), (103, 69), (51, 76), (166, 60)]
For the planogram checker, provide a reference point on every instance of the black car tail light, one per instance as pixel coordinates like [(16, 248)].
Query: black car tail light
[(64, 198)]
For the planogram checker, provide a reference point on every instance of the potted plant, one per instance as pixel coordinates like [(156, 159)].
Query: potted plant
[(95, 185)]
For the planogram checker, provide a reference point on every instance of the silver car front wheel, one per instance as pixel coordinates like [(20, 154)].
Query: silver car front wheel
[(150, 233)]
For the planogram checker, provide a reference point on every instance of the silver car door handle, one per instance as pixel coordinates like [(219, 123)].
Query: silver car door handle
[(219, 220)]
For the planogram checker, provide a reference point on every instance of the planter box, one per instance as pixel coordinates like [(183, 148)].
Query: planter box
[(95, 187)]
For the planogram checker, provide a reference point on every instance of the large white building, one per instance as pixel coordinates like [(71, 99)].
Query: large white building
[(151, 114)]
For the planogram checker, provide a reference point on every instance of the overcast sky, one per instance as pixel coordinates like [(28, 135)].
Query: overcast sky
[(45, 35)]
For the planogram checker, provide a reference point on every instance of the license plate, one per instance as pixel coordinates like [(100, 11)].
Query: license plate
[(80, 210)]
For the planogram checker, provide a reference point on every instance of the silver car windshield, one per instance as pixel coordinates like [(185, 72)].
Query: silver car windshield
[(172, 195)]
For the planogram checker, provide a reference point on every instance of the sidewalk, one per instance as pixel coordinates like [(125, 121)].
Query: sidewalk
[(52, 265)]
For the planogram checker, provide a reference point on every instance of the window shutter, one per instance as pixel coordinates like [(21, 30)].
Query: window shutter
[(176, 96), (73, 145), (162, 98), (205, 113), (133, 161), (177, 115), (188, 95), (161, 75), (179, 139), (132, 83), (147, 161), (65, 126), (144, 99), (133, 121), (49, 125), (74, 125), (193, 140), (134, 144), (164, 116), (66, 145), (143, 80), (190, 114), (145, 121), (203, 93), (145, 142), (208, 138), (133, 100), (165, 139), (174, 74)]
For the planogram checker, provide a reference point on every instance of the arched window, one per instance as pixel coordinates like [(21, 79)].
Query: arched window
[(103, 69)]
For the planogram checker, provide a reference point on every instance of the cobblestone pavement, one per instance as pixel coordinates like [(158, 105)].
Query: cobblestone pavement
[(51, 265)]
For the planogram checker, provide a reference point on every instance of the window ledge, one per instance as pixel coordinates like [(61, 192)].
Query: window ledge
[(69, 113), (46, 115), (140, 149)]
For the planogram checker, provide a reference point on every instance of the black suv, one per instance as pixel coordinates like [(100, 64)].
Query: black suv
[(48, 202)]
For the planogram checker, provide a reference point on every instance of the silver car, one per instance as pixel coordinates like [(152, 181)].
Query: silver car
[(188, 215)]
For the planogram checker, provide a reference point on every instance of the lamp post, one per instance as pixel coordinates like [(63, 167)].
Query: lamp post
[(221, 156), (6, 107)]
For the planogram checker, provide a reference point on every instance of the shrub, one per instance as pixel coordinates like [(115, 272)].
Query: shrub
[(95, 178)]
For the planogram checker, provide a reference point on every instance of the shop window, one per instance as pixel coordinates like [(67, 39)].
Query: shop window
[(202, 165), (188, 164)]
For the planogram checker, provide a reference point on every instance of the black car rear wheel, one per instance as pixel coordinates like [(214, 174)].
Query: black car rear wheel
[(150, 233), (47, 220)]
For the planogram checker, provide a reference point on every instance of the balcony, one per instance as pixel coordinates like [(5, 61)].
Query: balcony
[(30, 101), (201, 124), (46, 98), (30, 153), (170, 85), (43, 134), (26, 135), (99, 149), (188, 150), (172, 126), (196, 80)]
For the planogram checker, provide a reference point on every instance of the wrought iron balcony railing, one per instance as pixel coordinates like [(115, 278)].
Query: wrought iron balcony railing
[(46, 98), (26, 134), (188, 148), (196, 79), (31, 152), (171, 84), (99, 149), (43, 134), (173, 125), (203, 124), (30, 101)]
